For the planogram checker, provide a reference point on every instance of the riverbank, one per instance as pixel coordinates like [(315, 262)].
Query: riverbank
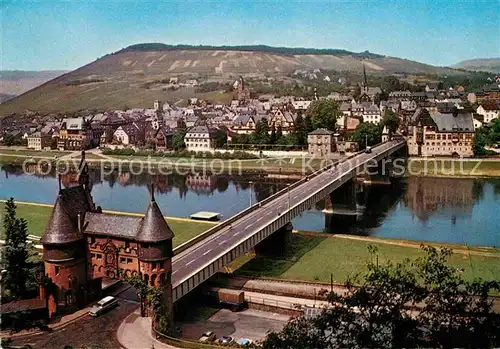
[(38, 215), (275, 165), (317, 258), (453, 168)]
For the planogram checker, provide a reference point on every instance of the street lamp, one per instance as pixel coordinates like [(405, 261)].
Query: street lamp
[(250, 195), (366, 141)]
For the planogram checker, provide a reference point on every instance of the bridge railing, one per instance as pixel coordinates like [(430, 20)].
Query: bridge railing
[(179, 249)]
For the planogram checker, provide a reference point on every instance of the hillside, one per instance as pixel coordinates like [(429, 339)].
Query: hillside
[(16, 82), (139, 74), (491, 65)]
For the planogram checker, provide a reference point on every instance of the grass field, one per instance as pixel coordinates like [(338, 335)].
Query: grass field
[(38, 217), (34, 153), (316, 258)]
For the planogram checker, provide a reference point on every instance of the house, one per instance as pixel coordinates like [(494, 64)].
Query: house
[(245, 123), (200, 138), (478, 121), (163, 139), (301, 105), (431, 87), (39, 141), (371, 114), (283, 120), (400, 95), (75, 134), (129, 134), (432, 133), (321, 142), (489, 110)]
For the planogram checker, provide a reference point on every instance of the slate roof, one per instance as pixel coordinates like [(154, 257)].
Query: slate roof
[(111, 225), (63, 222), (458, 122), (153, 227), (321, 131)]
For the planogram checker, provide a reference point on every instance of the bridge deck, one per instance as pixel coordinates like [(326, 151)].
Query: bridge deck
[(192, 260)]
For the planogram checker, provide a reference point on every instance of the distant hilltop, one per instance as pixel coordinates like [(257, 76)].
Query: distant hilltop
[(137, 75), (491, 65), (287, 51)]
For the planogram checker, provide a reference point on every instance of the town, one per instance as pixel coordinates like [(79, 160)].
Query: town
[(436, 122)]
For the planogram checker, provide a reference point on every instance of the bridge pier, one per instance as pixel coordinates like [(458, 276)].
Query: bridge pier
[(349, 201), (275, 244)]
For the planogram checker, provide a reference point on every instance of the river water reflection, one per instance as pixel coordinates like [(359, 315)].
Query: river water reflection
[(462, 211)]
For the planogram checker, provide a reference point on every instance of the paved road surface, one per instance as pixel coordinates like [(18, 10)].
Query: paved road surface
[(87, 332), (187, 262)]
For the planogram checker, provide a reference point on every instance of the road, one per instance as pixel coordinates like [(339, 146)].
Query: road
[(189, 261), (86, 332)]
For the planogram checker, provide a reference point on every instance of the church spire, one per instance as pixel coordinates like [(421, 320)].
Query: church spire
[(365, 81)]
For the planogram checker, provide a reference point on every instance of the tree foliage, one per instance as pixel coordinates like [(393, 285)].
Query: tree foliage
[(324, 114), (420, 303), (367, 134), (261, 133), (19, 275), (390, 120), (486, 136), (178, 139)]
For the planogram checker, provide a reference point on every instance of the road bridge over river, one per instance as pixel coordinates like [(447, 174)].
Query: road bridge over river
[(200, 258)]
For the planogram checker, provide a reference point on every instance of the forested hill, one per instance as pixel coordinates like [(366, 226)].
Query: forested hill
[(286, 51)]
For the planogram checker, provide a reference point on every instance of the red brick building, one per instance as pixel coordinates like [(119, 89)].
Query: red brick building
[(82, 245)]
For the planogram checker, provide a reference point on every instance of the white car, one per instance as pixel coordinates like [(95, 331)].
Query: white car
[(103, 305)]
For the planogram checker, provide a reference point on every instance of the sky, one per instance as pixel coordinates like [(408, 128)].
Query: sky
[(64, 35)]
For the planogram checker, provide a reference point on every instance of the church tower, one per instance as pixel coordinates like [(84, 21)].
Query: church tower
[(365, 81)]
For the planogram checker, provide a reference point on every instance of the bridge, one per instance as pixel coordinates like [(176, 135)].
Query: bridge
[(198, 259)]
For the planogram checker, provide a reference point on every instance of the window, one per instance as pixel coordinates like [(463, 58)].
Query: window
[(129, 260), (93, 255), (98, 256), (123, 260), (153, 266), (127, 244), (92, 240), (57, 269)]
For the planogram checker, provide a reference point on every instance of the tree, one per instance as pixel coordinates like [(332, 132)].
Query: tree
[(261, 133), (272, 137), (308, 126), (390, 83), (178, 139), (220, 139), (390, 120), (421, 303), (300, 130), (367, 134), (324, 114), (17, 270), (142, 289)]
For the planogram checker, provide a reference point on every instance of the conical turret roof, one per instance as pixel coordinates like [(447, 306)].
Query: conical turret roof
[(62, 228), (153, 226)]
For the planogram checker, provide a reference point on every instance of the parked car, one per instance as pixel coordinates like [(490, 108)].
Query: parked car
[(208, 336), (368, 150), (103, 305), (225, 340), (244, 342)]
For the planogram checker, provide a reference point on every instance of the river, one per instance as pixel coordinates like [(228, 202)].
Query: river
[(459, 211)]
